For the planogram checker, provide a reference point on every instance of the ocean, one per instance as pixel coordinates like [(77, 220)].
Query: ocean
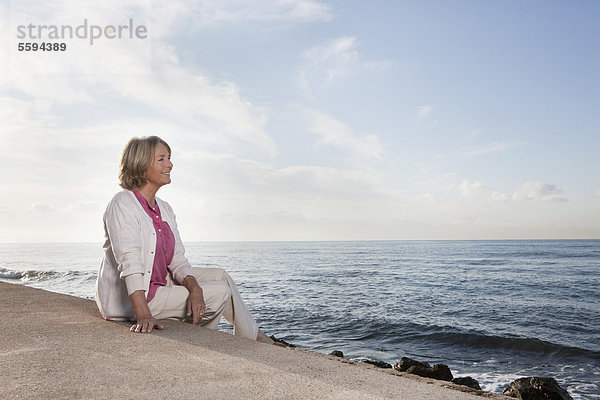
[(492, 310)]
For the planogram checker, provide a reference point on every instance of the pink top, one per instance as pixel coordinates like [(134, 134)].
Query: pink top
[(165, 246)]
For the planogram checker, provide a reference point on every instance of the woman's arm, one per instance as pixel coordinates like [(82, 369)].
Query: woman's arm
[(145, 321), (125, 232)]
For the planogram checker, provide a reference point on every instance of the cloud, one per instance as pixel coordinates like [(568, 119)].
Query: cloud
[(424, 116), (598, 193), (219, 13), (334, 61), (427, 197), (471, 188), (539, 191), (81, 207), (226, 173), (43, 208), (148, 79), (23, 115), (499, 197), (337, 59), (424, 111), (490, 148), (335, 133)]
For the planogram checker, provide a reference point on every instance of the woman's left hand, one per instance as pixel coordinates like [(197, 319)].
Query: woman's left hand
[(195, 305)]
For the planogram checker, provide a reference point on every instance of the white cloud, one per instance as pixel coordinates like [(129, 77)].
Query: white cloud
[(540, 191), (598, 193), (160, 84), (335, 133), (81, 207), (491, 148), (219, 13), (334, 61), (43, 208), (315, 180), (337, 59), (499, 197), (184, 18), (424, 116), (424, 111), (23, 115), (427, 197), (227, 173), (471, 188)]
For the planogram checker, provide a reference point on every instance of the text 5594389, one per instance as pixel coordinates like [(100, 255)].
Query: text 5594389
[(44, 46)]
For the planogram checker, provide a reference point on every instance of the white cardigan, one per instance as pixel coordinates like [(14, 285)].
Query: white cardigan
[(129, 254)]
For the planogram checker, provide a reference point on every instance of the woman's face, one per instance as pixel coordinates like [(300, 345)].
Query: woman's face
[(159, 172)]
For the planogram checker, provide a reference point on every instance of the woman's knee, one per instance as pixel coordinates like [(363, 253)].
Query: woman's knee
[(209, 274), (216, 293)]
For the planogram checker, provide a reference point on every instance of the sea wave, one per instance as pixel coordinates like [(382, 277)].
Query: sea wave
[(444, 337), (506, 343), (39, 275)]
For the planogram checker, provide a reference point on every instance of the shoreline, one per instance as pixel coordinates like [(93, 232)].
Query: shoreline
[(58, 346)]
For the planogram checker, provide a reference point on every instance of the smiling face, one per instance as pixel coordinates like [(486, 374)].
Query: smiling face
[(159, 172)]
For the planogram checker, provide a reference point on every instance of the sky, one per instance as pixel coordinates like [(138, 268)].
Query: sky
[(308, 120)]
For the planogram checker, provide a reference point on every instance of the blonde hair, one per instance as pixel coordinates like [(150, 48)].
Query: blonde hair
[(136, 158)]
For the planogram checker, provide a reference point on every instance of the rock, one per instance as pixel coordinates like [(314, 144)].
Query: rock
[(438, 371), (273, 338), (467, 381), (380, 364), (337, 353), (442, 371), (405, 363), (535, 388)]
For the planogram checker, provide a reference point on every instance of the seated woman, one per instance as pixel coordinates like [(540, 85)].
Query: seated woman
[(144, 274)]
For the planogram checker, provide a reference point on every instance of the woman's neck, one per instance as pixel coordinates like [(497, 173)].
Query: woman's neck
[(149, 193)]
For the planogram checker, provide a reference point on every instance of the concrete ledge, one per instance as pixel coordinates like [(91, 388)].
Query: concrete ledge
[(55, 346)]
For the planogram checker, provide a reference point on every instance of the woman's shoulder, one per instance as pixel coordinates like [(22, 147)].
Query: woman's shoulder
[(123, 195), (122, 198), (163, 204)]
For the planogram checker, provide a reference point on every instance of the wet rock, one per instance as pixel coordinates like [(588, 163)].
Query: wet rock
[(535, 388), (273, 338), (337, 353), (405, 363), (377, 363), (467, 381), (438, 371), (443, 372)]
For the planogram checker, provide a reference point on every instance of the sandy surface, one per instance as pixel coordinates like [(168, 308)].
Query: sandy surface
[(55, 346)]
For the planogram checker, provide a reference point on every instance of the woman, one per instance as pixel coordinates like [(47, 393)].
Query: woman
[(144, 272)]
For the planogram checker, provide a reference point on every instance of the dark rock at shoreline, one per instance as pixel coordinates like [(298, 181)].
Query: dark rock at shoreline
[(405, 363), (467, 381), (337, 353), (273, 338), (535, 388), (380, 364), (438, 371)]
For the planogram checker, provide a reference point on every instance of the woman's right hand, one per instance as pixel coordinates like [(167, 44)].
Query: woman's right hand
[(145, 321), (146, 325)]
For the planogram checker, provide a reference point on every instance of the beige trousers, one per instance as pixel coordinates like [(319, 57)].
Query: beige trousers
[(221, 296)]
